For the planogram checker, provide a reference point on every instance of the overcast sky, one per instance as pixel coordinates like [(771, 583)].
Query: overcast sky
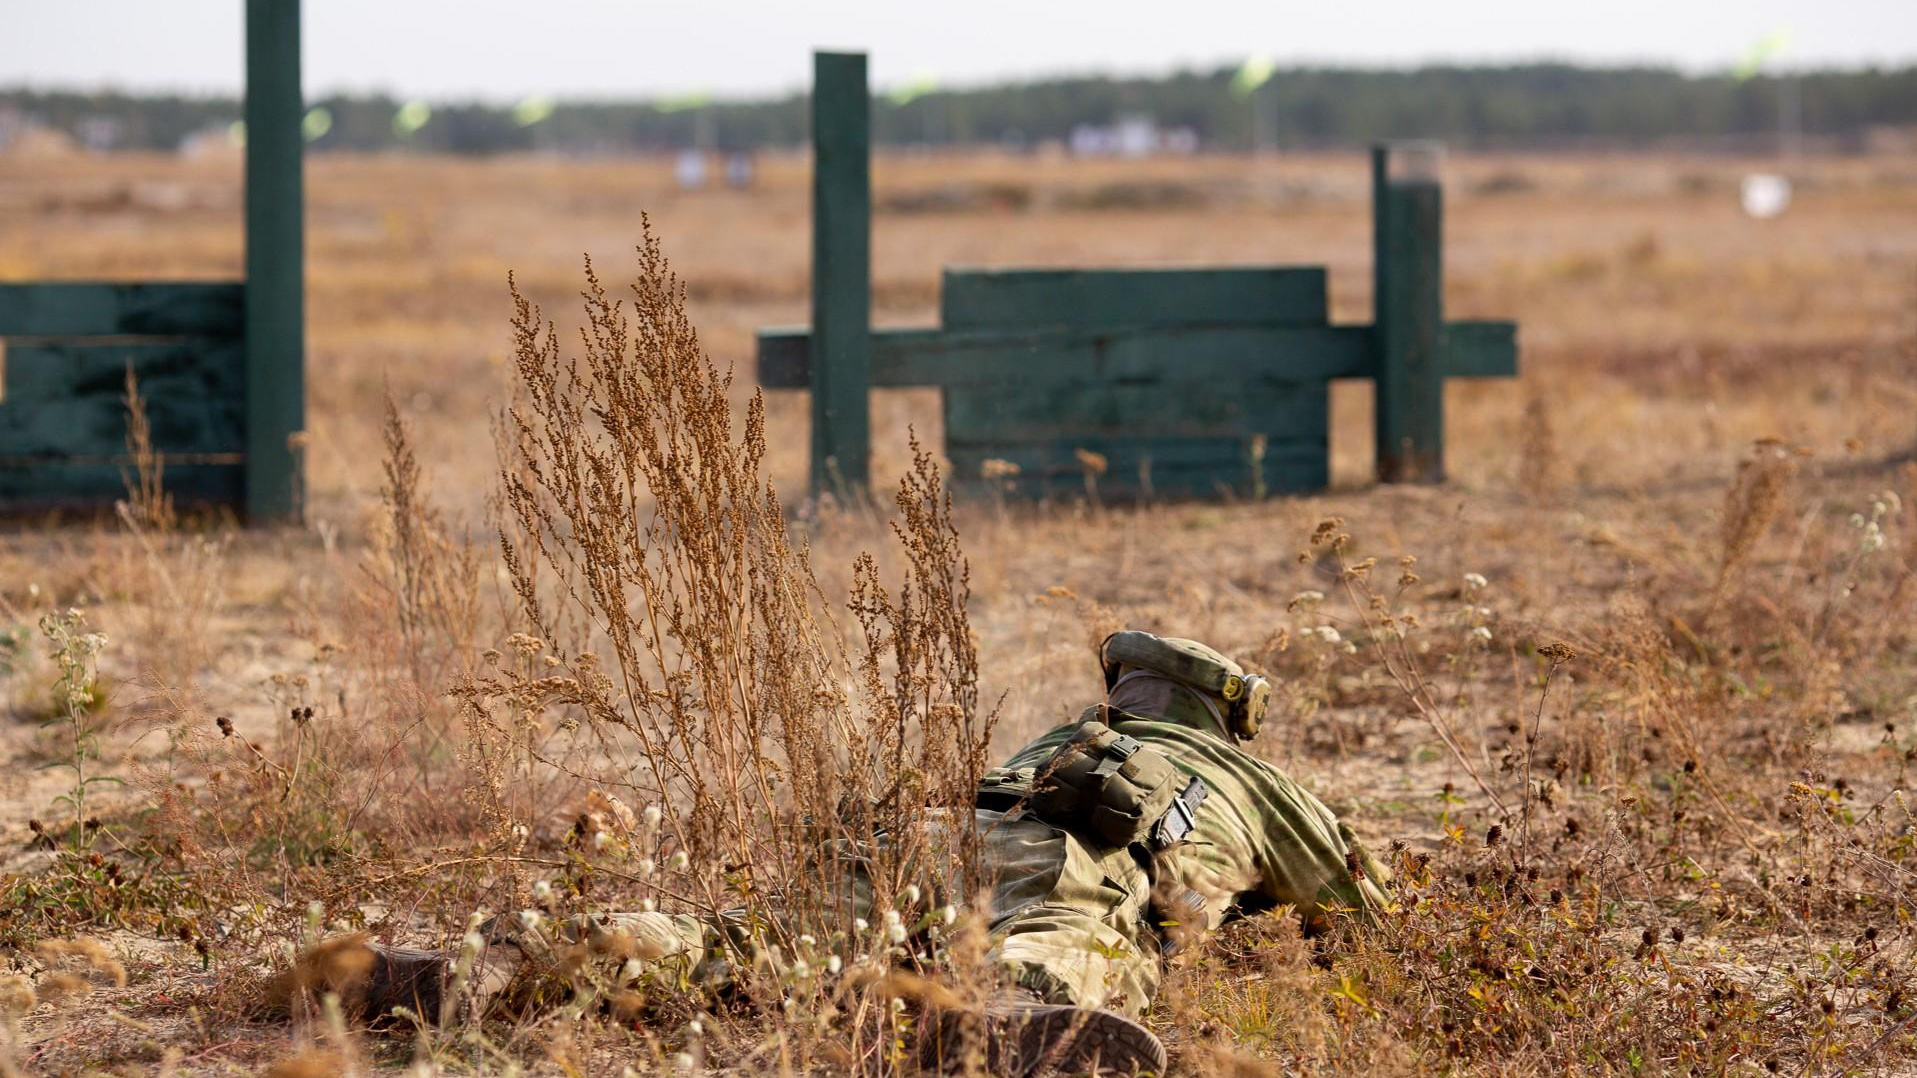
[(508, 49)]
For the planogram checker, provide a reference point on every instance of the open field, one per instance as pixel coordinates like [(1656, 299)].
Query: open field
[(1703, 484)]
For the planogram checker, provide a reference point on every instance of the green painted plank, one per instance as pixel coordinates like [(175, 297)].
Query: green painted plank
[(1120, 411), (107, 309), (51, 372), (1480, 349), (182, 422), (1143, 467), (68, 400), (39, 487), (1408, 274), (841, 345), (275, 262), (1105, 299), (921, 357)]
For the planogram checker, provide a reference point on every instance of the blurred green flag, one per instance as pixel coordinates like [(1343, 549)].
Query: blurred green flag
[(532, 110), (318, 121), (1758, 55), (411, 117), (1256, 71), (683, 102), (918, 86)]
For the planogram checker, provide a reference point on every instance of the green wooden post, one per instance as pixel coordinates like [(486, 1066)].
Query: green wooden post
[(1407, 211), (841, 343), (275, 263)]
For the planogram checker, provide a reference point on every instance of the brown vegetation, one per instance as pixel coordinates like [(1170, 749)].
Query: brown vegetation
[(1630, 701)]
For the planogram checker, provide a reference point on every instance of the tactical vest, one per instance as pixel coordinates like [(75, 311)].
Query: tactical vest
[(1104, 786)]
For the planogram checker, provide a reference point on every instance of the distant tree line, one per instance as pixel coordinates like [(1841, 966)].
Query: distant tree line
[(1522, 106)]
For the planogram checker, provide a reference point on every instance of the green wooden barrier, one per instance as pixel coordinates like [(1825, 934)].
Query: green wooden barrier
[(1186, 383), (220, 365)]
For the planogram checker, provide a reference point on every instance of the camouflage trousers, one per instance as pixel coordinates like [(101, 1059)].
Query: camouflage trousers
[(1069, 920)]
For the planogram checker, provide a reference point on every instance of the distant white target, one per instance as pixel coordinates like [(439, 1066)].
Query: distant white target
[(1765, 195)]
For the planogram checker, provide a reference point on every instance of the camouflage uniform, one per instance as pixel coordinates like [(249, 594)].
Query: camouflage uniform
[(1072, 918)]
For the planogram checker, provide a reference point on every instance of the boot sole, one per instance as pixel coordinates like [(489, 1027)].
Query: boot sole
[(1027, 1040)]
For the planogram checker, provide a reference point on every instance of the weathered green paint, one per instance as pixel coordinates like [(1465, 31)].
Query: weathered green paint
[(1408, 276), (63, 423), (1168, 407), (932, 357), (221, 366), (40, 373), (841, 347), (1201, 382), (1103, 299), (1141, 467), (275, 262), (1480, 348), (96, 309), (30, 486), (95, 428)]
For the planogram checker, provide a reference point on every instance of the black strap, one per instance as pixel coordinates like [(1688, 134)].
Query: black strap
[(1181, 817)]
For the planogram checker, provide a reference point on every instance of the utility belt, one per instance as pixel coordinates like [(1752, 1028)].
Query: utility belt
[(1103, 785)]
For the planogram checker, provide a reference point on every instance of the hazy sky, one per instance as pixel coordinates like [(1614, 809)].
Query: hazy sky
[(506, 49)]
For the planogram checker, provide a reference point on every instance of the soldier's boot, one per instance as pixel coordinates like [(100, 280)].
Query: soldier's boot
[(420, 980), (406, 977), (1016, 1034)]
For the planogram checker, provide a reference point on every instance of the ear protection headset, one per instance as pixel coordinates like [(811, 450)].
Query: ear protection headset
[(1246, 696)]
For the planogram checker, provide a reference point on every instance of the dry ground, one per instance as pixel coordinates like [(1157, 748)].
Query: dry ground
[(1730, 628)]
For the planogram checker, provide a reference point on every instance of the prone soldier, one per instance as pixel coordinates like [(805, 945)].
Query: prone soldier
[(1104, 843)]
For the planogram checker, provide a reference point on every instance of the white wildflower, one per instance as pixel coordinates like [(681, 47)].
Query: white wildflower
[(808, 941), (542, 891), (834, 964), (948, 914), (1328, 634), (1474, 581), (644, 867), (860, 924), (696, 1028), (647, 905), (631, 970), (1857, 520), (1873, 539), (1481, 634), (895, 933), (600, 840), (679, 862), (652, 815), (529, 919), (684, 1061)]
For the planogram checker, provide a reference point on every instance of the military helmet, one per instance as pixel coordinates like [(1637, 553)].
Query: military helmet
[(1192, 664)]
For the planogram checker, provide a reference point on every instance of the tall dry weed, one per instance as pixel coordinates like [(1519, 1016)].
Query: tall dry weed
[(678, 648)]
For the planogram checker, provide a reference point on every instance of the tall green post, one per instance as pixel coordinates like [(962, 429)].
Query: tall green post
[(1407, 212), (275, 263), (841, 341)]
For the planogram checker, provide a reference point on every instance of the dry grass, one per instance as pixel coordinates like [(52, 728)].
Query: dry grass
[(1638, 721)]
